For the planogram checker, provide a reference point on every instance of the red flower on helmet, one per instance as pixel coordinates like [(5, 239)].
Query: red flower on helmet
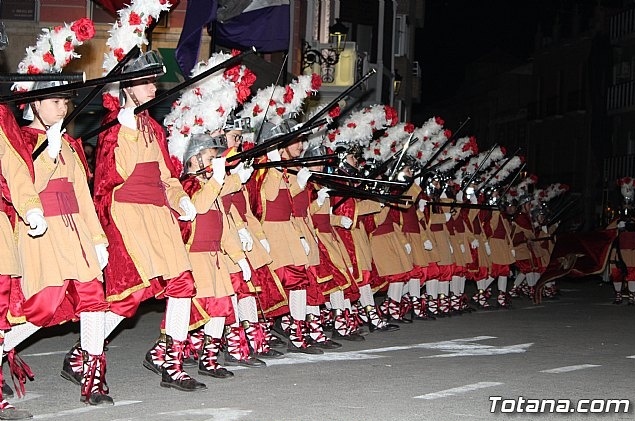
[(391, 115), (439, 121), (48, 58), (288, 94), (134, 19), (335, 111), (257, 110), (280, 111), (118, 53), (32, 70), (68, 46), (447, 133), (84, 29), (220, 110), (351, 125), (409, 128), (198, 121), (185, 130)]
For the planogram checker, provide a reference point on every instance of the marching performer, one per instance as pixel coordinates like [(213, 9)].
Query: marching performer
[(20, 199), (62, 270)]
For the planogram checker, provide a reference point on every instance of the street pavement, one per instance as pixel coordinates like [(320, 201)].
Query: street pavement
[(577, 347)]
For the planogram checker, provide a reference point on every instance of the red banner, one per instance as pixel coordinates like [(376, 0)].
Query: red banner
[(576, 255)]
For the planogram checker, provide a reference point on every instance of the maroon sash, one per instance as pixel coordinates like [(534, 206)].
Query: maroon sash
[(144, 186), (208, 232)]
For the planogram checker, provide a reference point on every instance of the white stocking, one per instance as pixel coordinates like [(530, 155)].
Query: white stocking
[(177, 318), (297, 304), (214, 327), (91, 331)]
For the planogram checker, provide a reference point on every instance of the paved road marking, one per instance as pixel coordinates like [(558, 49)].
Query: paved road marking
[(631, 356), (483, 350), (81, 410), (458, 390), (217, 414), (44, 354), (27, 397), (456, 348), (569, 368)]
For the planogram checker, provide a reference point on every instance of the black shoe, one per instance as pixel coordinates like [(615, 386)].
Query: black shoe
[(247, 362), (388, 327), (305, 350), (402, 320), (150, 365), (14, 414), (271, 354), (185, 385), (190, 362), (67, 373), (353, 337), (327, 344), (94, 399), (7, 392), (277, 327), (218, 373), (276, 342)]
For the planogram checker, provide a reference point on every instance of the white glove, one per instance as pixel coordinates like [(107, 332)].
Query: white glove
[(126, 118), (513, 252), (448, 216), (274, 155), (218, 170), (417, 181), (488, 249), (244, 267), (351, 270), (621, 225), (451, 249), (427, 245), (473, 199), (462, 248), (245, 239), (305, 246), (35, 219), (459, 196), (545, 229), (303, 177), (189, 210), (102, 255), (243, 172), (408, 248), (422, 204), (322, 194), (54, 135), (346, 222), (266, 245), (474, 243)]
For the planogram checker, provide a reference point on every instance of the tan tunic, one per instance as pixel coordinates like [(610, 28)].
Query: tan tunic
[(67, 248), (24, 198), (363, 250), (258, 255), (388, 250), (150, 233), (283, 236), (501, 247), (441, 239), (483, 258), (332, 241), (209, 269)]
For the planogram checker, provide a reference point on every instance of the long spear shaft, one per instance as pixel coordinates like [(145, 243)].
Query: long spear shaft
[(43, 77), (269, 144), (308, 161), (480, 167), (100, 81), (175, 90), (338, 98)]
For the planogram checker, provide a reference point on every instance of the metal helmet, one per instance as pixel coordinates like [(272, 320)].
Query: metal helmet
[(27, 114), (200, 142)]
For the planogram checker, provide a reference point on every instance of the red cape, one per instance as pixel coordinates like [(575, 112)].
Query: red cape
[(11, 130), (121, 275)]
